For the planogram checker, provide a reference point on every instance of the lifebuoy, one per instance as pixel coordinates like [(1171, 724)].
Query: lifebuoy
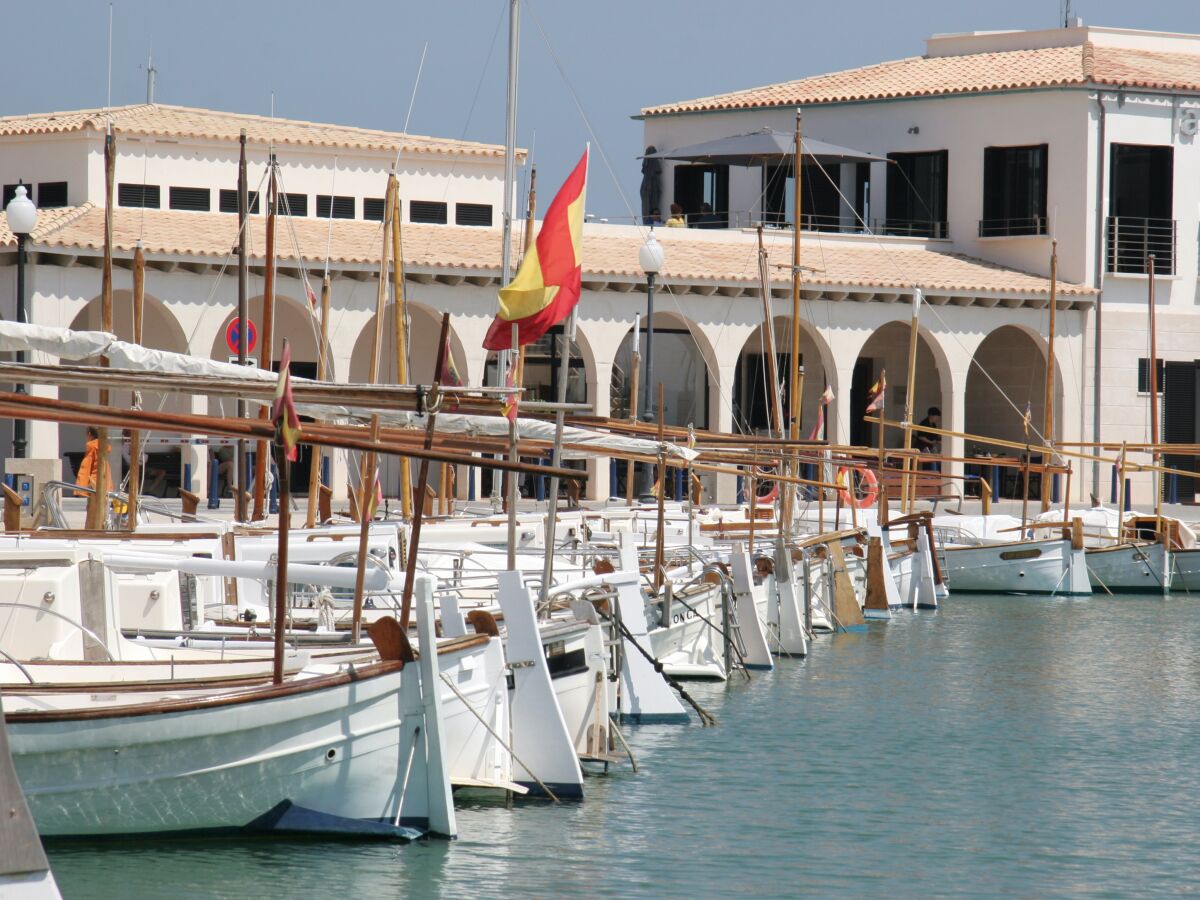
[(770, 496), (845, 478)]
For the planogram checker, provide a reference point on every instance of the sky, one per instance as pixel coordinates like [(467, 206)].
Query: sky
[(355, 62)]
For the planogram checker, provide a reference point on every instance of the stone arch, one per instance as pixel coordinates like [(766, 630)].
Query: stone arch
[(424, 328), (1008, 370), (750, 407), (887, 349), (684, 361), (160, 331)]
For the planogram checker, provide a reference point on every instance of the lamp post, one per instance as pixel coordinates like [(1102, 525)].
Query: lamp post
[(22, 219), (650, 255)]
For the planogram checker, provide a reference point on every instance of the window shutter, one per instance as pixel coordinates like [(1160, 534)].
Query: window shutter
[(428, 211), (190, 199), (473, 214)]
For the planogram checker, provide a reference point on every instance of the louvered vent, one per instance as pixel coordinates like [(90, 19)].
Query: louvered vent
[(373, 209), (229, 201), (190, 199), (429, 211), (52, 194), (295, 205), (147, 196), (343, 207), (473, 214)]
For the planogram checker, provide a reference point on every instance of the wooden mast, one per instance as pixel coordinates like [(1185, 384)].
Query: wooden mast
[(135, 436), (910, 393), (635, 362), (366, 479), (776, 404), (279, 618), (268, 335), (98, 501), (1048, 422), (317, 456), (401, 327), (1153, 378), (243, 285), (795, 385)]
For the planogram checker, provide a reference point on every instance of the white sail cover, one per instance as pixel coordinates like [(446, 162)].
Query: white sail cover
[(63, 343)]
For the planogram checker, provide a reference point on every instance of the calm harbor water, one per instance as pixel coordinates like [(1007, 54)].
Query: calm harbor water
[(1000, 746)]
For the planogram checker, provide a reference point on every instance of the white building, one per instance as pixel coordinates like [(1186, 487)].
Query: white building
[(1000, 141), (982, 354)]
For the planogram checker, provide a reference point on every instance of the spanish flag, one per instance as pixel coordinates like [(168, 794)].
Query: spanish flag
[(548, 283), (283, 409), (878, 393)]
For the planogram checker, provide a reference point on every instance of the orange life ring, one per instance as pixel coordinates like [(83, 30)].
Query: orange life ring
[(770, 496), (845, 477)]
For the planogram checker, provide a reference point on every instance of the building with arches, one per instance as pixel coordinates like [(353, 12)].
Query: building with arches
[(982, 344)]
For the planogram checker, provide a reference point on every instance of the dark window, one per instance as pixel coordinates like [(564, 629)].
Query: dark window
[(1144, 382), (1014, 191), (430, 211), (146, 196), (52, 194), (1140, 214), (229, 201), (191, 199), (292, 204), (917, 188), (10, 191), (473, 214), (343, 207), (698, 186), (821, 204), (374, 208)]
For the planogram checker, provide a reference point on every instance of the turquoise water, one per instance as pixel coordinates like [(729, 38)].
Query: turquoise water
[(1000, 746)]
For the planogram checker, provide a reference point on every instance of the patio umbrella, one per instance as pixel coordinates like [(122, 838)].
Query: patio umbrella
[(756, 147)]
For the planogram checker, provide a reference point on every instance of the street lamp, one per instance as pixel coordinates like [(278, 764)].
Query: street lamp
[(22, 219), (650, 255)]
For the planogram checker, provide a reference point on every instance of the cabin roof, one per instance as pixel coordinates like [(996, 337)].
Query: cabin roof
[(610, 252), (166, 121)]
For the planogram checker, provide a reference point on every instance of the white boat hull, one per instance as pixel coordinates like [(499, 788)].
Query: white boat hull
[(1130, 568), (1024, 567)]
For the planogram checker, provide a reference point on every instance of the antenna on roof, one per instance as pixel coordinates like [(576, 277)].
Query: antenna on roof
[(151, 71)]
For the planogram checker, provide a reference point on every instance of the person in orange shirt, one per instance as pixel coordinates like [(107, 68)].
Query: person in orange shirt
[(86, 476)]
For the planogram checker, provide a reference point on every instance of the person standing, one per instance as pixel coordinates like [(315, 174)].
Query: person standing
[(678, 219), (90, 464)]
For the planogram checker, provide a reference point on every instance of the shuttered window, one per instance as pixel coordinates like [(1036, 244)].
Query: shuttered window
[(343, 207), (229, 201), (473, 214), (10, 191), (190, 199), (292, 204), (52, 194), (146, 196), (373, 209), (429, 211)]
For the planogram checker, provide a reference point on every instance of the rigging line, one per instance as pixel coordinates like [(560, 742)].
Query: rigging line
[(900, 268), (413, 99)]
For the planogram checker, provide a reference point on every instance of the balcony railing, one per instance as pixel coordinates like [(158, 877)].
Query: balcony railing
[(915, 228), (1024, 226), (1132, 240)]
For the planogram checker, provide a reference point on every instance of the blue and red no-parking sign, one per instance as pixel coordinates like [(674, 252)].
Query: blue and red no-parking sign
[(233, 334)]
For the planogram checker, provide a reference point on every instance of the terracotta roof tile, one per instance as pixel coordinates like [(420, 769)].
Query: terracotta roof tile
[(920, 76), (608, 252), (157, 119)]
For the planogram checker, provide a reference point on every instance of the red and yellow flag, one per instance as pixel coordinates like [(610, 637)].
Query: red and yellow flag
[(878, 393), (283, 410), (548, 284)]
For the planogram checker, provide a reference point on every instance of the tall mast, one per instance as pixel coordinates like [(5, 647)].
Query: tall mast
[(1048, 423), (268, 328), (795, 387), (774, 405), (510, 157), (401, 327), (243, 312), (1152, 374), (906, 503)]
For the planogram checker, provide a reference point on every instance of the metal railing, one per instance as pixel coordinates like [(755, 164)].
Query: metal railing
[(914, 228), (1131, 240), (1023, 226)]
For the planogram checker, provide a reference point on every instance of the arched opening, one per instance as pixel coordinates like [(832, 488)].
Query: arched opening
[(685, 370), (753, 395), (295, 322), (1007, 377), (887, 350), (424, 329), (160, 331)]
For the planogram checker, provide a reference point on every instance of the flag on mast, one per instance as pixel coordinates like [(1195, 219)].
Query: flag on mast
[(826, 399), (283, 409), (878, 389), (550, 279)]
